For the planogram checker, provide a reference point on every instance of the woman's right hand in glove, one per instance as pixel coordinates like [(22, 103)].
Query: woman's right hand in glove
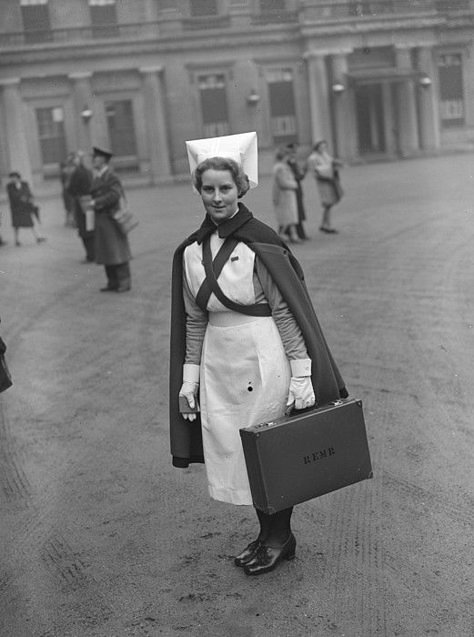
[(189, 391)]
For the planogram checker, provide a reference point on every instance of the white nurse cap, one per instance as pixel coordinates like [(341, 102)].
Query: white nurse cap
[(242, 148)]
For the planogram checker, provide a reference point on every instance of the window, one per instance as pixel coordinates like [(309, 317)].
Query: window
[(451, 90), (36, 24), (121, 127), (215, 119), (272, 6), (51, 134), (103, 18), (282, 106), (203, 7)]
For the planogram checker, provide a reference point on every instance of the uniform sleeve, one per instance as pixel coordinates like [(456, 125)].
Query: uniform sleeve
[(196, 324), (110, 195), (290, 333)]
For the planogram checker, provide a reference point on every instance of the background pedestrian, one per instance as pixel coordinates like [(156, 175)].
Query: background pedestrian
[(325, 169), (284, 187), (111, 247), (25, 214), (80, 183), (299, 172), (66, 168)]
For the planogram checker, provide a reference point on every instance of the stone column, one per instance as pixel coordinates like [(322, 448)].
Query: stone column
[(155, 118), (408, 128), (391, 143), (343, 132), (15, 129), (427, 103), (82, 98), (318, 96)]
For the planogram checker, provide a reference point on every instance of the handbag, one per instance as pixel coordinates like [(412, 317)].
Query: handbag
[(5, 376), (124, 217), (307, 454)]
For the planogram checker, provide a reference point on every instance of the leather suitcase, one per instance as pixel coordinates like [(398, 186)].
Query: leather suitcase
[(305, 455)]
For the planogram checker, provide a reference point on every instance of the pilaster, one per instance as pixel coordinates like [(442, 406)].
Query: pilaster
[(156, 125), (344, 140), (318, 96), (408, 128), (428, 103), (15, 129), (83, 99)]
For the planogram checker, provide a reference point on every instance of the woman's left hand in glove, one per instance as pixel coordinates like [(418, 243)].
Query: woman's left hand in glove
[(301, 392)]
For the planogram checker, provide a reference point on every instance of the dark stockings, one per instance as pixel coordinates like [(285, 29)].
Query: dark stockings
[(274, 528), (326, 220)]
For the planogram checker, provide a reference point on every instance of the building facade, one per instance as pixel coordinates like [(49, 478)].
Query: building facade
[(376, 78)]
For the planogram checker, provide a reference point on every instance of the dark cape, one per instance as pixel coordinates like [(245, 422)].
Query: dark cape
[(286, 272)]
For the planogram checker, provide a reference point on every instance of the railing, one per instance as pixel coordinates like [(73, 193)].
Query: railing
[(366, 8), (320, 11), (338, 9), (267, 17), (206, 22), (452, 6), (136, 31)]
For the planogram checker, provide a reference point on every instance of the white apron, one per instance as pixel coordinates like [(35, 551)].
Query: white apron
[(245, 373)]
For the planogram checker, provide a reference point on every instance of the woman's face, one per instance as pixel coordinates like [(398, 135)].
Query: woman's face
[(219, 194)]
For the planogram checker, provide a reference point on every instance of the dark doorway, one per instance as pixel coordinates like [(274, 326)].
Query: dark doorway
[(370, 119)]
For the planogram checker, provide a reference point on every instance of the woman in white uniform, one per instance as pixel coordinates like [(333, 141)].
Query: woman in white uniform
[(245, 358)]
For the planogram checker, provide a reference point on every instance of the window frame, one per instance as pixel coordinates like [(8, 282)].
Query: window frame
[(450, 123), (44, 138), (32, 13)]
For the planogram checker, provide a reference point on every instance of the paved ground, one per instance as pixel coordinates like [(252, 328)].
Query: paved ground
[(101, 537)]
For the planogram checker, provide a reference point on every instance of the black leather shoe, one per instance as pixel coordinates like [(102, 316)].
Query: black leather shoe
[(247, 554), (108, 288), (123, 288), (268, 557)]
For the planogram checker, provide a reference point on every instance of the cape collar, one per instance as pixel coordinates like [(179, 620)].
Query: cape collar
[(224, 229)]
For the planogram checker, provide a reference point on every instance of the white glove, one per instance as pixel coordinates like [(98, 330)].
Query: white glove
[(190, 392), (301, 392), (190, 388)]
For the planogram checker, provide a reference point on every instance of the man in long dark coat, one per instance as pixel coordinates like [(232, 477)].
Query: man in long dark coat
[(111, 246), (79, 186), (299, 174)]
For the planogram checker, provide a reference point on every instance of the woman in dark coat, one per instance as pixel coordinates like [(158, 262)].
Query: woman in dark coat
[(22, 207), (111, 246)]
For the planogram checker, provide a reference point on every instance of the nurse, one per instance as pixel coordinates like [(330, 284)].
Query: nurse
[(238, 352)]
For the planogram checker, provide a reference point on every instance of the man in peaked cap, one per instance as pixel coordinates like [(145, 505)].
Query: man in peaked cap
[(102, 152), (112, 249)]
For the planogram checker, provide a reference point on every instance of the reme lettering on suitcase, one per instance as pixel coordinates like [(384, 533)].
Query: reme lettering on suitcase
[(305, 455)]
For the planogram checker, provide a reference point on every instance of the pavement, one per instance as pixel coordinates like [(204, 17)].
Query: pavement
[(101, 537)]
